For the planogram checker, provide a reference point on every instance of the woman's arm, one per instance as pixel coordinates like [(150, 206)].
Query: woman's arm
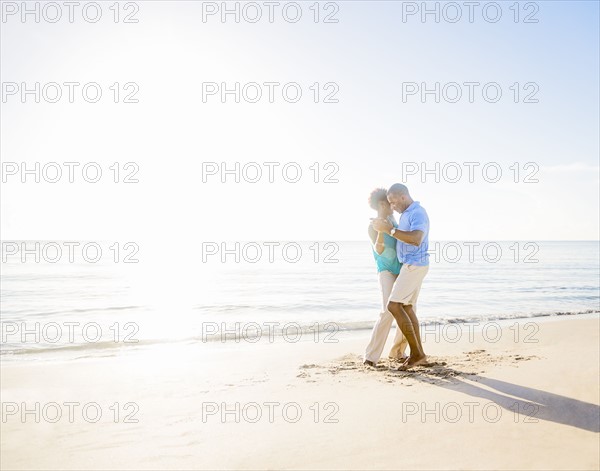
[(372, 234), (377, 239), (380, 243)]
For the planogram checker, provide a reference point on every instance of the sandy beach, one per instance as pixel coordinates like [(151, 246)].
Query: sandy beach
[(483, 404), (211, 213)]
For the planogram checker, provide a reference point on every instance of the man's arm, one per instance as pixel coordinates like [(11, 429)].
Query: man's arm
[(408, 237)]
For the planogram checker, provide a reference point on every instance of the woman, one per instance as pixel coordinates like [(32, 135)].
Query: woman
[(388, 267)]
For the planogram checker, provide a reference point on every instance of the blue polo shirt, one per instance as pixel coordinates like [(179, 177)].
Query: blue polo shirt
[(414, 218)]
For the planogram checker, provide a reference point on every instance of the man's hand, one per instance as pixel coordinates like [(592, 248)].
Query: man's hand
[(382, 225)]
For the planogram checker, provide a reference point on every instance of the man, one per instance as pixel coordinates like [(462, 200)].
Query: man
[(412, 244)]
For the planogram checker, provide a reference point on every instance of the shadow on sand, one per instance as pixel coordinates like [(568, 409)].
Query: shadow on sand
[(527, 404)]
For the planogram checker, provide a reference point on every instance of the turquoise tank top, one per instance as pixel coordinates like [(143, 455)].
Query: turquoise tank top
[(388, 260)]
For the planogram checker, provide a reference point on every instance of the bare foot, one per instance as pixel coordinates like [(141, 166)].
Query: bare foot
[(401, 359), (413, 361)]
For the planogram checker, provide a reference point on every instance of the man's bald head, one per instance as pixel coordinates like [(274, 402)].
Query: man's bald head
[(398, 189), (399, 197)]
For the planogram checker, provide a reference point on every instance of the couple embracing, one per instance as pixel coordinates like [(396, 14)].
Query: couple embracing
[(400, 251)]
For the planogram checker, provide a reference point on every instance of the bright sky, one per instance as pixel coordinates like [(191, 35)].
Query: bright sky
[(369, 138)]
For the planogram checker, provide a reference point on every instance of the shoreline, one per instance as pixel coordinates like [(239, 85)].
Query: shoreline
[(323, 329)]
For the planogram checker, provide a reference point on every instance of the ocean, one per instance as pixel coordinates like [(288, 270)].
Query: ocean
[(223, 292)]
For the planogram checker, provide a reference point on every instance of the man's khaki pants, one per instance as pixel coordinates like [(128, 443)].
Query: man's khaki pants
[(384, 324)]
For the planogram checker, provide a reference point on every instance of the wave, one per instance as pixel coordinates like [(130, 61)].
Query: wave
[(291, 330), (29, 313), (14, 349)]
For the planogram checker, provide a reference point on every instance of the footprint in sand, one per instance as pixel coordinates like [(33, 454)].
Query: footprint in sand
[(438, 369)]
